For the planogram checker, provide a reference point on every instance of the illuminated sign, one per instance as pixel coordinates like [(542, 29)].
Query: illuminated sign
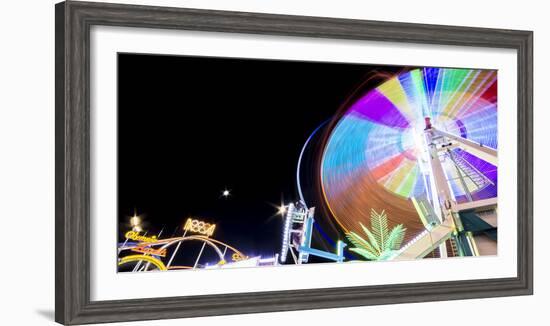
[(238, 257), (136, 258), (134, 235), (199, 227), (150, 251)]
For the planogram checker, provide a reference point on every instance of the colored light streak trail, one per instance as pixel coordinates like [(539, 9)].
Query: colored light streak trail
[(373, 157)]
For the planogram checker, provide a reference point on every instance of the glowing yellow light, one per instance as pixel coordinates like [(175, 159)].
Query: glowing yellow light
[(238, 257), (201, 227), (135, 221), (282, 210), (150, 251), (134, 235), (135, 258)]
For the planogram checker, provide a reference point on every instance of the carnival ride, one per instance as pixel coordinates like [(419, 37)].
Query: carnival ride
[(297, 234), (153, 252), (421, 146)]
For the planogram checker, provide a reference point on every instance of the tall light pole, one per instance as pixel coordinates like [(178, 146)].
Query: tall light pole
[(135, 222)]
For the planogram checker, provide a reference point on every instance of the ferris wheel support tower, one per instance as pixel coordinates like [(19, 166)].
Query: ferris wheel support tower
[(442, 199)]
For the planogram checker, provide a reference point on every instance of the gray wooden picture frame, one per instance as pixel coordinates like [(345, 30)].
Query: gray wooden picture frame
[(72, 168)]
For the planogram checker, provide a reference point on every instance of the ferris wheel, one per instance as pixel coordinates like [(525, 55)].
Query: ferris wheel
[(426, 135)]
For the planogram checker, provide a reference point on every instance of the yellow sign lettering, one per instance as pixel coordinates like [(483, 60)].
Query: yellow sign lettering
[(134, 235), (200, 227)]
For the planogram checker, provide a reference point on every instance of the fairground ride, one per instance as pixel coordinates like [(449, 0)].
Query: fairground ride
[(140, 252), (422, 146), (297, 234)]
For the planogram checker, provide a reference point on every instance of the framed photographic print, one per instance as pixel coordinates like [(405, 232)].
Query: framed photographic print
[(233, 162)]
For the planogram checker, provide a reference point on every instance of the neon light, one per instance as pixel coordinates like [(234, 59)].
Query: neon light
[(201, 227), (373, 157), (238, 257), (134, 235), (150, 251), (136, 258)]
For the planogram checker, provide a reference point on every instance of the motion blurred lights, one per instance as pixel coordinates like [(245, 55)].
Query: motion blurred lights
[(374, 155), (386, 120)]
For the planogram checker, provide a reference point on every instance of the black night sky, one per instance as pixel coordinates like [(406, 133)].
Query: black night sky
[(190, 127)]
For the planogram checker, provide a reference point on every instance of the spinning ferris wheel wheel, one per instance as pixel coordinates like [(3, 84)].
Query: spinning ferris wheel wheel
[(427, 135)]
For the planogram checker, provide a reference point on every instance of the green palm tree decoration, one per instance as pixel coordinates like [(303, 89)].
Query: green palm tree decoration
[(381, 243)]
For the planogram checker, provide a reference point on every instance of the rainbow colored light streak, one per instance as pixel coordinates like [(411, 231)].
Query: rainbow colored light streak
[(371, 159)]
